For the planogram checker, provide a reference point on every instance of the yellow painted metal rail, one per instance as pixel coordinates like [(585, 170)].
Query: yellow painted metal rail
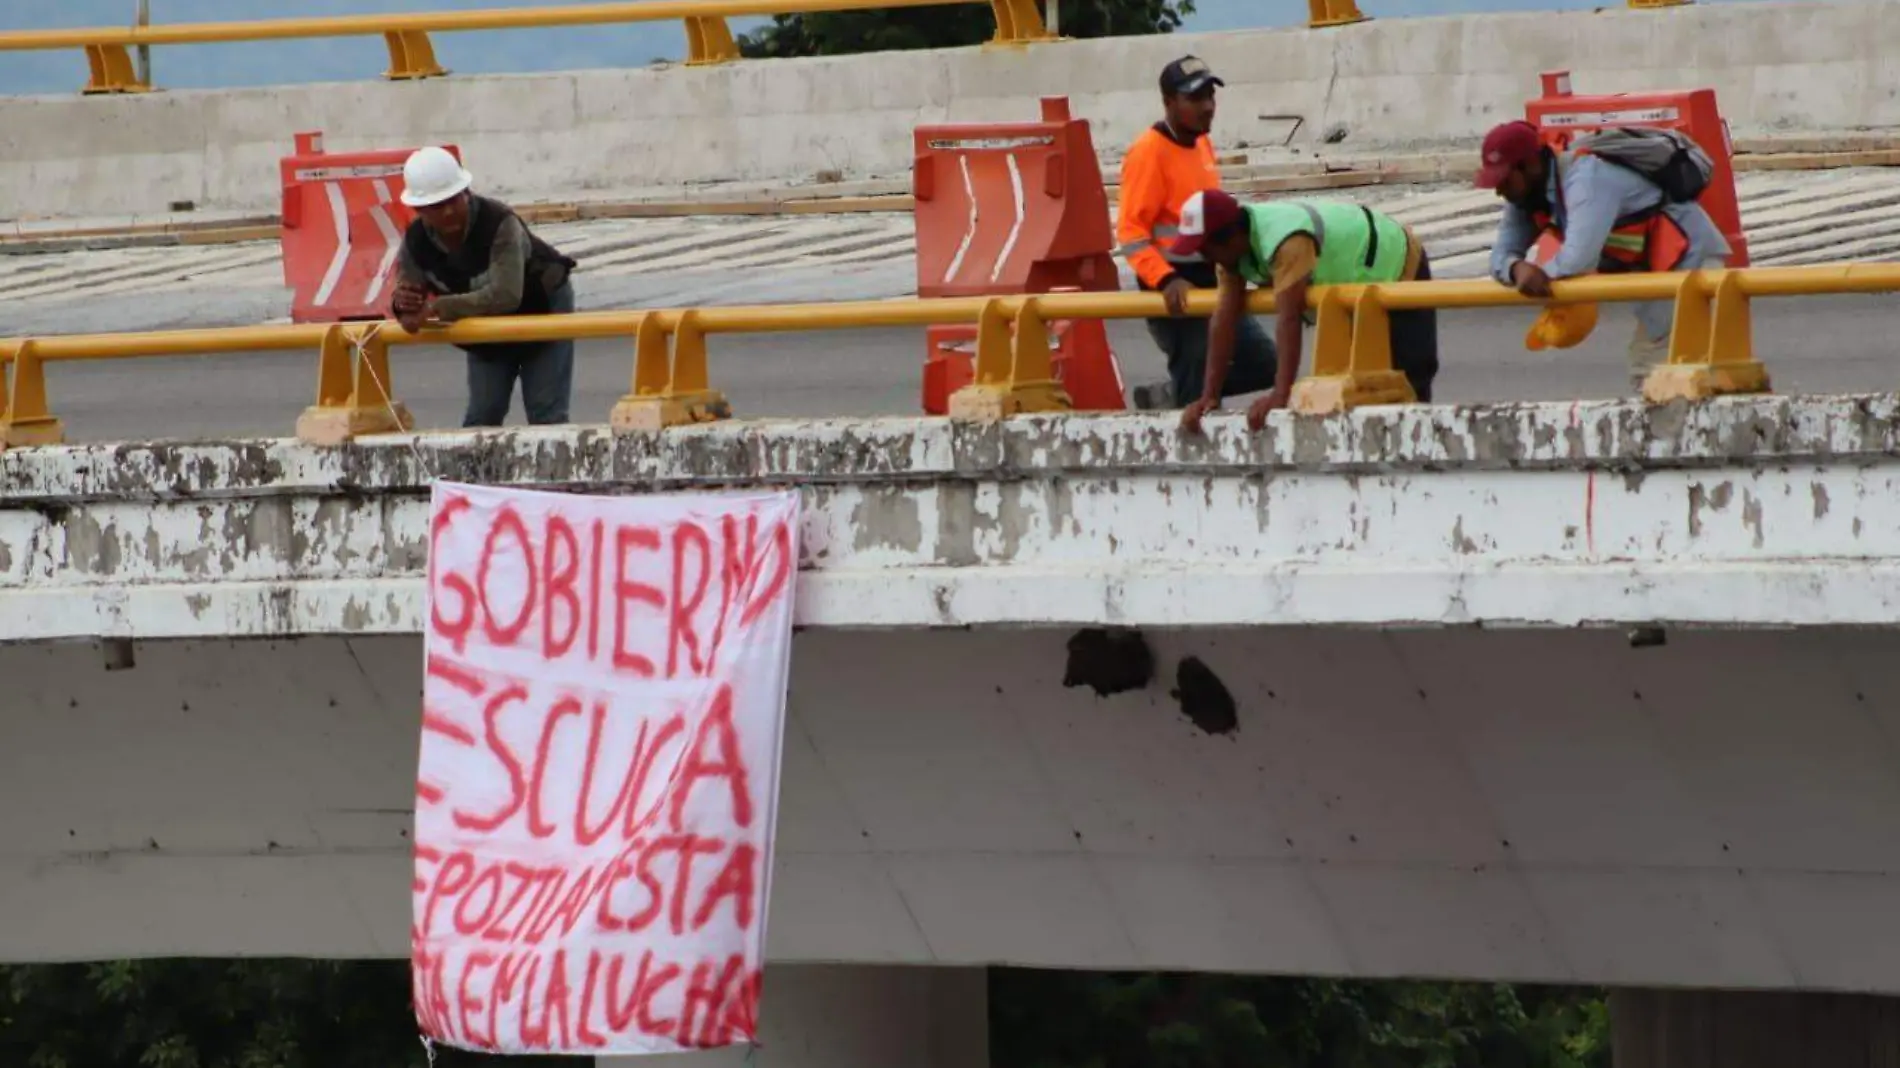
[(412, 55), (1710, 350), (1322, 13)]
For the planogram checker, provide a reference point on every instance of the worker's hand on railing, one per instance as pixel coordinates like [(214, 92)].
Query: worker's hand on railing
[(411, 305), (1176, 295), (1530, 279)]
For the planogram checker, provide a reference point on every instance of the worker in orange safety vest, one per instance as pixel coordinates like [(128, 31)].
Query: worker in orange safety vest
[(1170, 162), (1575, 213)]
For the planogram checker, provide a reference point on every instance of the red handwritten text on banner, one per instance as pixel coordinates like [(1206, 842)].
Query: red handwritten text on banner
[(603, 704)]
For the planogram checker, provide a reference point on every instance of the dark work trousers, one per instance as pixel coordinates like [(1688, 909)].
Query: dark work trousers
[(1184, 341), (1415, 340), (545, 368)]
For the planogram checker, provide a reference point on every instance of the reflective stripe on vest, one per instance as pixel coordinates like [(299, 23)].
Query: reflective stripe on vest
[(1648, 240), (1356, 244), (1156, 241)]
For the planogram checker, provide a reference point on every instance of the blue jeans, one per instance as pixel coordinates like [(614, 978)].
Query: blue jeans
[(546, 370)]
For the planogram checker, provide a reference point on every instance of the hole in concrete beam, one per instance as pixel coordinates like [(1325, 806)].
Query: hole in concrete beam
[(1109, 662), (1205, 698), (118, 654)]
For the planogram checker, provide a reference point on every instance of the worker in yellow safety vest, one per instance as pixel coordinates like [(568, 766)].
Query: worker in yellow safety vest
[(1617, 201)]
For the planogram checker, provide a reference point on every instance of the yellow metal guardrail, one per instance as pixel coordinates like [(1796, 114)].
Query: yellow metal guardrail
[(1322, 13), (1710, 350), (412, 55)]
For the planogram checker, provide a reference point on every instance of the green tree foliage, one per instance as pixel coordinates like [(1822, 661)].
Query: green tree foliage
[(1087, 1020), (950, 26), (221, 1014), (320, 1014)]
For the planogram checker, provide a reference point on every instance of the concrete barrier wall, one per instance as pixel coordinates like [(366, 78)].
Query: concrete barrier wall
[(1756, 510), (1389, 82)]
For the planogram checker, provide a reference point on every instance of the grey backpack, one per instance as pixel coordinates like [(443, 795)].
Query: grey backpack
[(1669, 159)]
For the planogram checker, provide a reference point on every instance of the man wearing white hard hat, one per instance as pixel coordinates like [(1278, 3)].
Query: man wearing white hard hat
[(467, 256)]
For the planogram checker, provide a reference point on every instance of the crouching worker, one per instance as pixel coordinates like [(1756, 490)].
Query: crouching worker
[(1620, 200), (467, 256), (1291, 245)]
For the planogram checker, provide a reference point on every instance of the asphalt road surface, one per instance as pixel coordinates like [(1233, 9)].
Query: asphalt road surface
[(1815, 345)]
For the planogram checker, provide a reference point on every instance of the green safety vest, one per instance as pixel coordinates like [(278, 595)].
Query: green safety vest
[(1356, 244)]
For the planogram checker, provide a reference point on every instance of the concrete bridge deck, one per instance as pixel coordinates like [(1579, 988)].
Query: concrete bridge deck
[(1385, 727)]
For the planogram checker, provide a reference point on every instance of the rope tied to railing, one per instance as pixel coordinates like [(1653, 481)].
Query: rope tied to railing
[(359, 343)]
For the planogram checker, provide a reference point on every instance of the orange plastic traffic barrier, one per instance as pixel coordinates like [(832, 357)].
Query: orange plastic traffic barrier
[(1561, 117), (343, 223), (1080, 356), (1005, 208), (1011, 208)]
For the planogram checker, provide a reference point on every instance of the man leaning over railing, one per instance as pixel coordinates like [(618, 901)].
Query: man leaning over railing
[(1167, 164), (1290, 245), (467, 256), (1620, 201)]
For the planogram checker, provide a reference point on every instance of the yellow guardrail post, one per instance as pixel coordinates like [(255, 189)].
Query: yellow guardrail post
[(411, 56), (354, 395), (671, 386), (1711, 345), (112, 71), (1332, 13), (1352, 358), (1014, 368), (25, 420), (709, 41), (1018, 22)]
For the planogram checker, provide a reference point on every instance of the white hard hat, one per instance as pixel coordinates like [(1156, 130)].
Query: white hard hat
[(431, 176)]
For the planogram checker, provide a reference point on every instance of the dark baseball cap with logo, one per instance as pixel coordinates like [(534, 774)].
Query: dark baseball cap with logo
[(1187, 76)]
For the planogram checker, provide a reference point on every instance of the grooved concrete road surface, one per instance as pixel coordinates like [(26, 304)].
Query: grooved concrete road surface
[(1815, 345)]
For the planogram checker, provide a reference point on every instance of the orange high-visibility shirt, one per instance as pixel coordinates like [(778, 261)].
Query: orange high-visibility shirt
[(1159, 174)]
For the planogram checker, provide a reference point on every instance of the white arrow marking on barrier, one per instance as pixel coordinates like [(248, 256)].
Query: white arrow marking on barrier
[(969, 235), (392, 241), (1016, 186), (341, 214)]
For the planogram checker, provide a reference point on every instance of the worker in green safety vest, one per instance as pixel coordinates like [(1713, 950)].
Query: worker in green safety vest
[(1289, 245)]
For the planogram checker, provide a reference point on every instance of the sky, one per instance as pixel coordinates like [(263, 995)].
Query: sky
[(637, 44)]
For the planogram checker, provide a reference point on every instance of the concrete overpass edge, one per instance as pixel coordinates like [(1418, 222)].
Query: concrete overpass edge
[(1287, 593)]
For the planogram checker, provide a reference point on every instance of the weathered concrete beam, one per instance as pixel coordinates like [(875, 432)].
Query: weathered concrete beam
[(1769, 511), (1618, 435)]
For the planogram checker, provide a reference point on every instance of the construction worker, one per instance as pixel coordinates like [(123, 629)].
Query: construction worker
[(1170, 162), (1291, 245), (466, 256), (1573, 213)]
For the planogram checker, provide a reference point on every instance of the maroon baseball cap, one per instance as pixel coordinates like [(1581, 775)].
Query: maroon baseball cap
[(1205, 213), (1507, 145)]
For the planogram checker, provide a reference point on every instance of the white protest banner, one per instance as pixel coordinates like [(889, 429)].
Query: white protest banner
[(603, 706)]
